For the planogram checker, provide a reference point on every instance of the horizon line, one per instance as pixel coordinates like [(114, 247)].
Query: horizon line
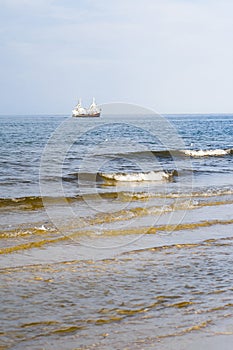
[(64, 114)]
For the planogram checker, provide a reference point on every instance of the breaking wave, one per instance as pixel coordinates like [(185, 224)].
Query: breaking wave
[(171, 153), (142, 176), (208, 153)]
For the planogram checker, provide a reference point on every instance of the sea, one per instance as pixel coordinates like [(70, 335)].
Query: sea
[(116, 232)]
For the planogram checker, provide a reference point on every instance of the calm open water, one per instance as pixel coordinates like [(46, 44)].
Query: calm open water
[(116, 233)]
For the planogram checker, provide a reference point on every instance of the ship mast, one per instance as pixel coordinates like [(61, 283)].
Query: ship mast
[(93, 107)]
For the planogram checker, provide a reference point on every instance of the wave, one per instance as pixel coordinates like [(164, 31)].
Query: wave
[(22, 203), (208, 153), (135, 176), (119, 232), (166, 228), (170, 153), (141, 176), (122, 177), (141, 154), (45, 228), (36, 203), (32, 203)]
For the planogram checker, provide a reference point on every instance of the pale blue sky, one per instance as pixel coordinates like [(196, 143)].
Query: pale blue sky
[(174, 56)]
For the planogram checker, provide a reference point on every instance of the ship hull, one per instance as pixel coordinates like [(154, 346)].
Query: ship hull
[(95, 115)]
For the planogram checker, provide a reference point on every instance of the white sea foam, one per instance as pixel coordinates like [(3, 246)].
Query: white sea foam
[(206, 153), (136, 177)]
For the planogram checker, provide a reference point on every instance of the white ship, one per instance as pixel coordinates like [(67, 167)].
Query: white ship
[(92, 111)]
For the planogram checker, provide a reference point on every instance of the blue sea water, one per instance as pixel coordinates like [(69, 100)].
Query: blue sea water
[(23, 139)]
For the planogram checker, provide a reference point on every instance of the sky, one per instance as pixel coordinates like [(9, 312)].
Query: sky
[(172, 56)]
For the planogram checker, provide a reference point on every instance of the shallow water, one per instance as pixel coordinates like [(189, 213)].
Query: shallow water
[(126, 240)]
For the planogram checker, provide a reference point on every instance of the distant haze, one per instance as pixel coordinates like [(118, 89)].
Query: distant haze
[(174, 56)]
